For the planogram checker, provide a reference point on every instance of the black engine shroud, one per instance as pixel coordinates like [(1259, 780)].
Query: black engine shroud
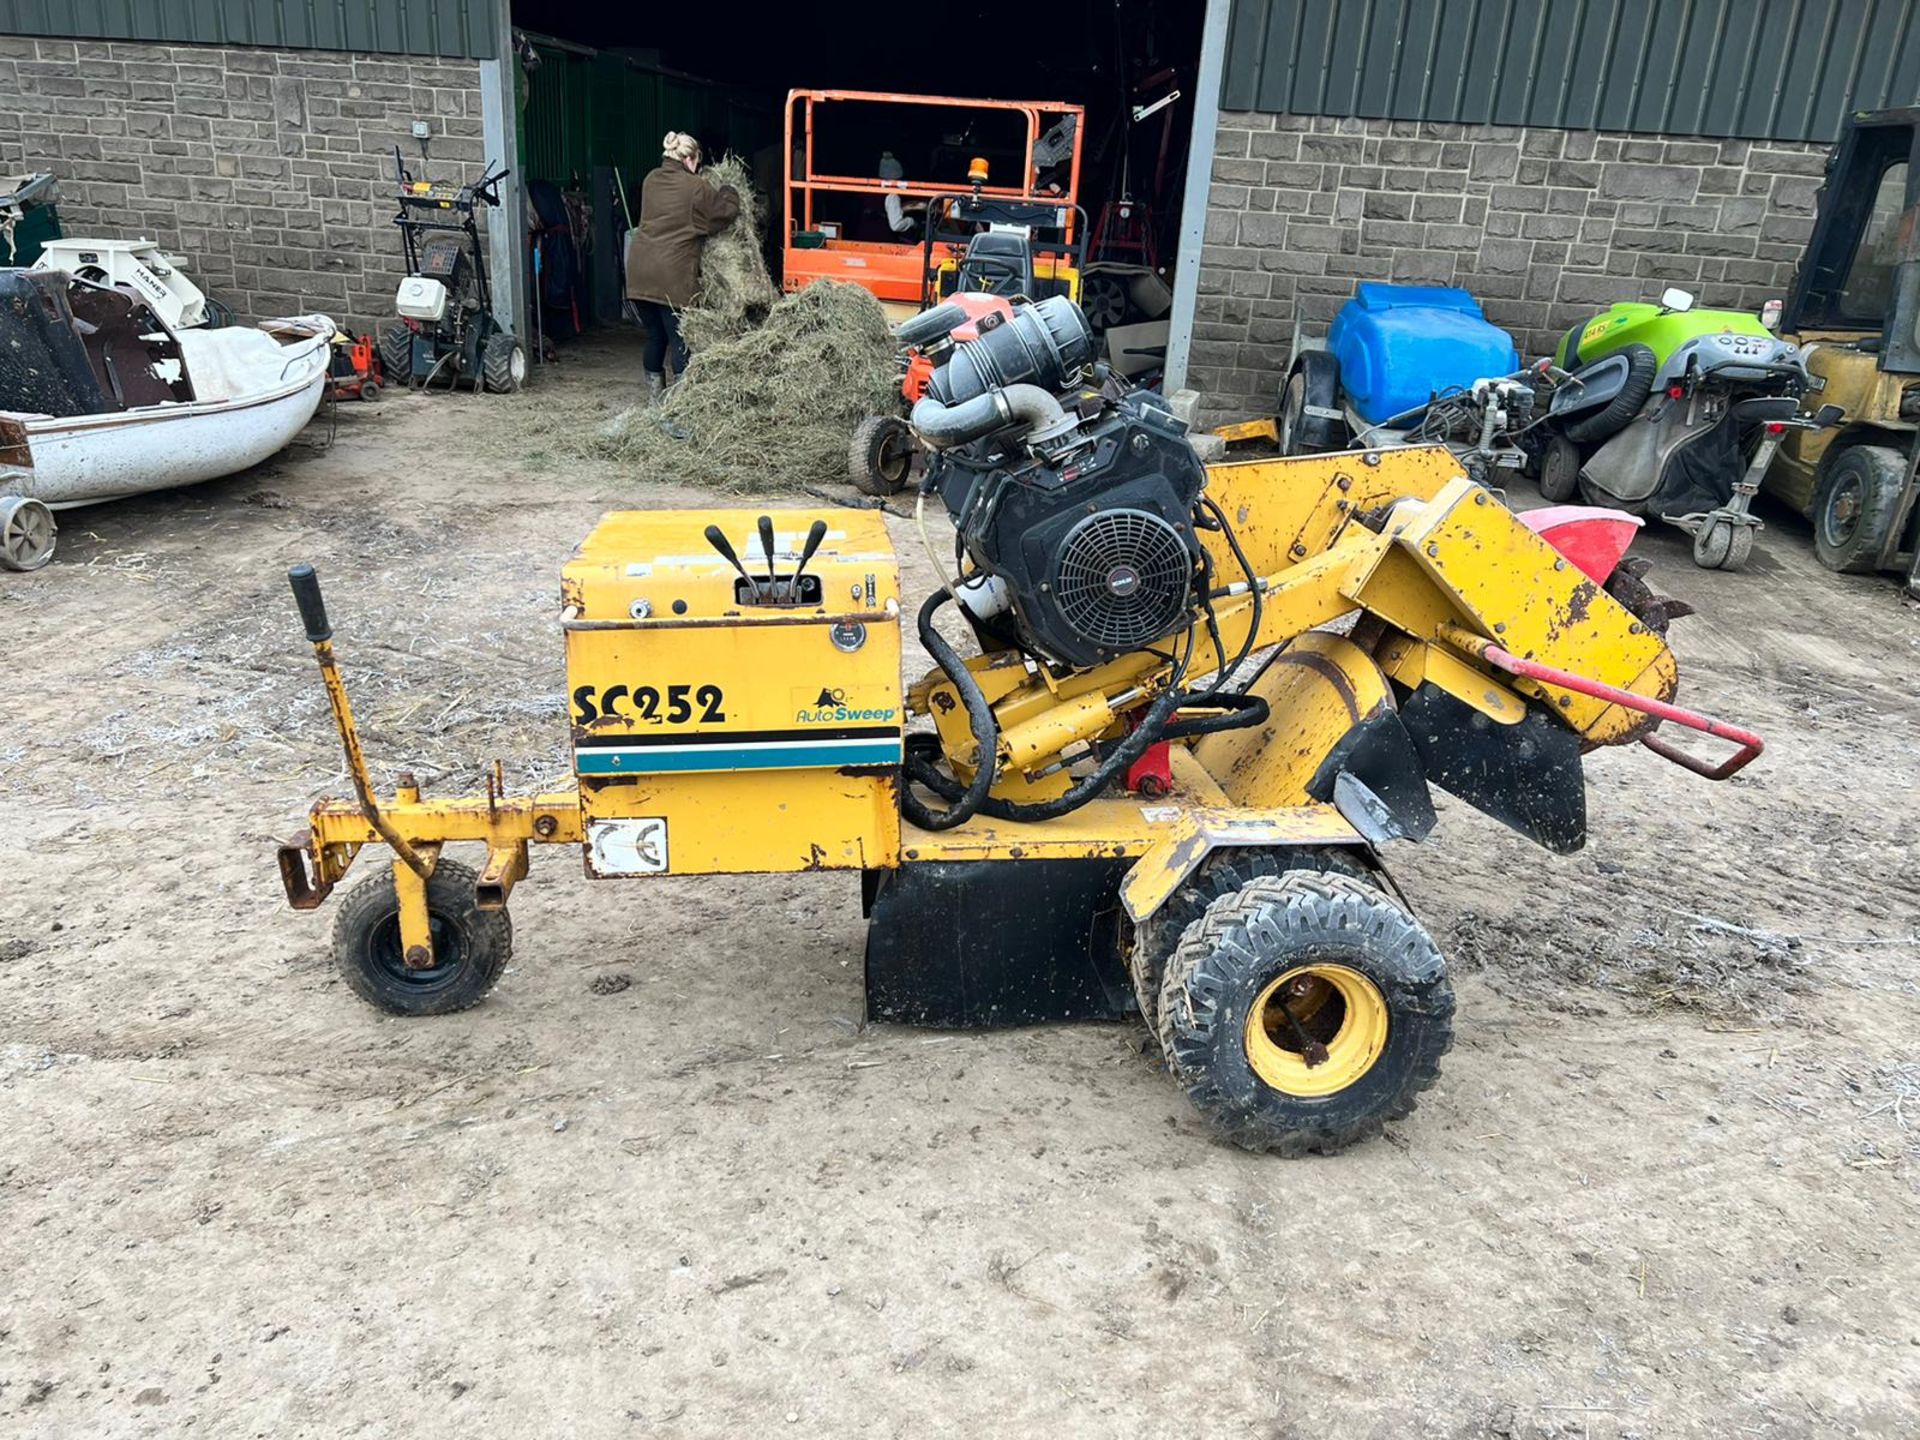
[(1094, 544)]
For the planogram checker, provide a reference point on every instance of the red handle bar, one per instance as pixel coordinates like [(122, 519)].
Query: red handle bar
[(1750, 744)]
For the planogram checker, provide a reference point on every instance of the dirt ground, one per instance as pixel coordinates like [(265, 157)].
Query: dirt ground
[(664, 1181)]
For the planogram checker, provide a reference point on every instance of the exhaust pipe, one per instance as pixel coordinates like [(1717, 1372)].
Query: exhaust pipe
[(940, 425)]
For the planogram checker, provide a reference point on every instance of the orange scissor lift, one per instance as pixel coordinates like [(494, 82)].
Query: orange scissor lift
[(903, 275)]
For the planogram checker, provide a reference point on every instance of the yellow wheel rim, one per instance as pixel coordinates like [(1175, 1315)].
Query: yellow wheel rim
[(1337, 1029)]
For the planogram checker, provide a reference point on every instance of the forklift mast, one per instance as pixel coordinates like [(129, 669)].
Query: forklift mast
[(1839, 287)]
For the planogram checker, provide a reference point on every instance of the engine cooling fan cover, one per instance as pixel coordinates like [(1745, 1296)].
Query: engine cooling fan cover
[(1123, 578)]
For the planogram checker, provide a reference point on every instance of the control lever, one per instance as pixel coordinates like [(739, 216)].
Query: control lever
[(718, 540), (766, 547), (815, 534)]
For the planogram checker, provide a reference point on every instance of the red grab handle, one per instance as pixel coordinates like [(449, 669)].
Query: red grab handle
[(1750, 744)]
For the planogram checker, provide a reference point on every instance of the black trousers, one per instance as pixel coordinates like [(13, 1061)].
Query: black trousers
[(663, 334)]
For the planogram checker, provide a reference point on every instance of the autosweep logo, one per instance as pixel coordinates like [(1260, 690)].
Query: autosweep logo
[(831, 708)]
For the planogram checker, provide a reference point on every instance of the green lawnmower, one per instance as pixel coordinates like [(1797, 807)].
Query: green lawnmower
[(1674, 412)]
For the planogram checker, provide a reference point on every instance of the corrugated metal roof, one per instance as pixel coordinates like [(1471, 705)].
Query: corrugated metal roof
[(1760, 69), (459, 28)]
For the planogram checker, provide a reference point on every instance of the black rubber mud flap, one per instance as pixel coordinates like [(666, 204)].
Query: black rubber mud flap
[(1527, 776), (984, 943), (1380, 754)]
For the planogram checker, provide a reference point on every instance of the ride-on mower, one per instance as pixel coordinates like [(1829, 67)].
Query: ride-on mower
[(1202, 701), (1674, 412)]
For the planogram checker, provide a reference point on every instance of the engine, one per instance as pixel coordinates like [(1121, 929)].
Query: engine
[(1074, 504)]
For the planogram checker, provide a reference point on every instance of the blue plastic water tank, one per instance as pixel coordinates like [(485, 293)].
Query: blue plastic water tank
[(1398, 344)]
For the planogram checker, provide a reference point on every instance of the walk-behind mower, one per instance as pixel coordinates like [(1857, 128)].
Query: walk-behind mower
[(448, 329), (1675, 412), (354, 373), (1202, 702), (884, 450)]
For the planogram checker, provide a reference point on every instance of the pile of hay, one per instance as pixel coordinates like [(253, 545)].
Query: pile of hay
[(735, 289), (773, 407)]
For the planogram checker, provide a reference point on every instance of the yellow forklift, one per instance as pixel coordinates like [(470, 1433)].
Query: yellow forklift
[(1855, 306), (1198, 702)]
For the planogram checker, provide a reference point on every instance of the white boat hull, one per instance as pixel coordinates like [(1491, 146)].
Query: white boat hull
[(85, 459)]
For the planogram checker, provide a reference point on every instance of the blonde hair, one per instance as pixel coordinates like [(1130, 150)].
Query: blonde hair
[(681, 147)]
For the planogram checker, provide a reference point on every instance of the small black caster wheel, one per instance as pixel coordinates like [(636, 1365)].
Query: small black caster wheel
[(1559, 478), (470, 945)]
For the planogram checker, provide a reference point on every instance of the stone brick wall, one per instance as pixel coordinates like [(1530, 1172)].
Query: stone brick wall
[(1543, 226), (269, 171)]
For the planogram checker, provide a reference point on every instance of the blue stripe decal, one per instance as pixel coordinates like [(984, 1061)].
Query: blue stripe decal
[(642, 761)]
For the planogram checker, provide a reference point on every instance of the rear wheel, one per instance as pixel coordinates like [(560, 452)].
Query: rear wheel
[(470, 945), (503, 363), (1302, 1013), (1854, 507), (1559, 470), (27, 533), (369, 390), (880, 457), (396, 354), (1220, 874)]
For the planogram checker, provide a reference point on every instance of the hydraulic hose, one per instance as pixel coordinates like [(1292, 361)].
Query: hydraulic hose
[(1156, 724), (1406, 418), (986, 733), (974, 799), (940, 425), (1225, 674), (1151, 727), (1238, 713)]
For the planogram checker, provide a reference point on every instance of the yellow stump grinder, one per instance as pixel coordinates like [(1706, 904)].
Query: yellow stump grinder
[(1197, 704)]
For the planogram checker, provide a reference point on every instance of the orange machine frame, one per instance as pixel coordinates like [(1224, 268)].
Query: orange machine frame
[(896, 272)]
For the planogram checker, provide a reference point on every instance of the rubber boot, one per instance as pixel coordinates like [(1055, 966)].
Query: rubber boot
[(656, 387)]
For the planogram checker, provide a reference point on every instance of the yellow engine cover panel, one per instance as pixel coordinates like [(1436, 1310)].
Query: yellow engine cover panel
[(719, 728)]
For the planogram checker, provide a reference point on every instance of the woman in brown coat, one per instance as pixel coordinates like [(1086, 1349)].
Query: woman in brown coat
[(678, 212)]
